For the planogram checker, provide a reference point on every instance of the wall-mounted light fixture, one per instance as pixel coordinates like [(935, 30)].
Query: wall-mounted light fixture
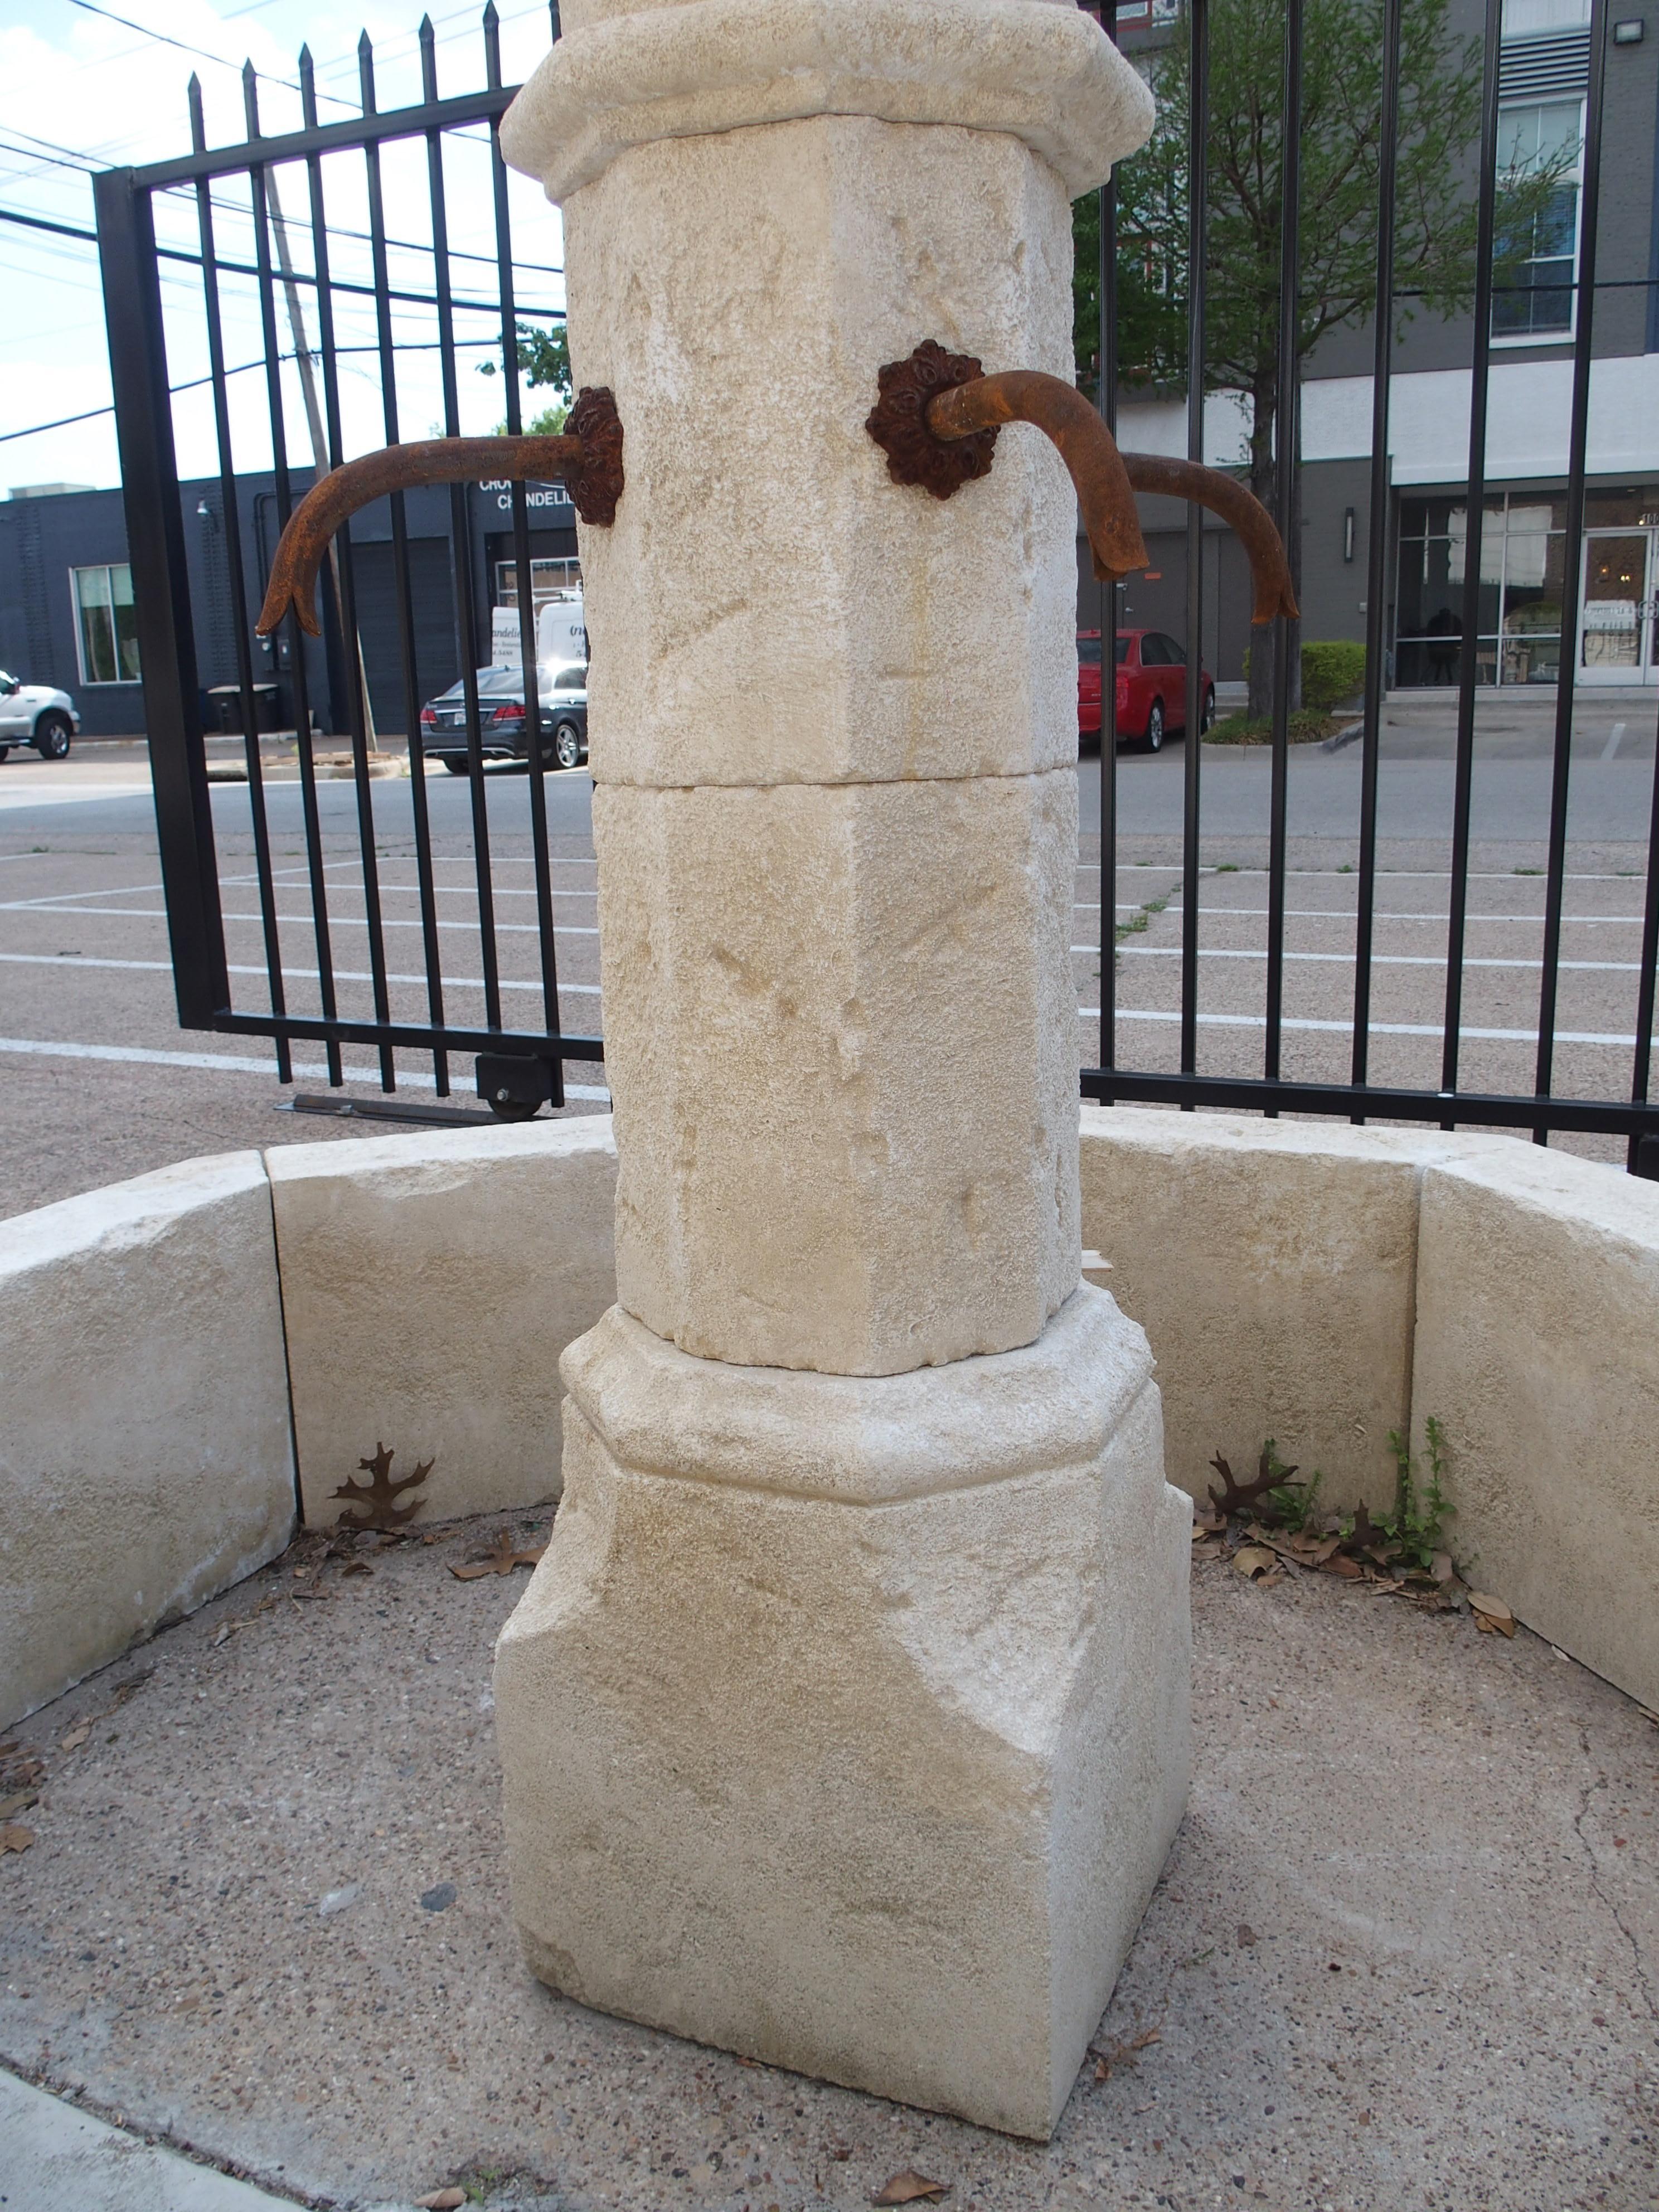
[(1630, 31), (1347, 535)]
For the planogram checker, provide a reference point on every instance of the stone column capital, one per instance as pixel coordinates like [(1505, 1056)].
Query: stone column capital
[(1038, 71)]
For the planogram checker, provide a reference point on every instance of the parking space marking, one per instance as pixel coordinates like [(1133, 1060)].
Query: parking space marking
[(1373, 1029), (1612, 745), (312, 974), (302, 920), (67, 795), (232, 1063), (1378, 959)]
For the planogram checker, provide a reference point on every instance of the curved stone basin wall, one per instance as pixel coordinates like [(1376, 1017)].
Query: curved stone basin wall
[(168, 1345)]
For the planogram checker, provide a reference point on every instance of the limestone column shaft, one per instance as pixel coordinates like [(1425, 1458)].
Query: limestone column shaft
[(833, 721)]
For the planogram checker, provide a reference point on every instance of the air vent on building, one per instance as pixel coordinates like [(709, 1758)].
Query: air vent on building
[(1542, 68)]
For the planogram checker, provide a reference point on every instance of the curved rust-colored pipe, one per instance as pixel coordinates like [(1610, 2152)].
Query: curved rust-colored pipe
[(1090, 451), (938, 418), (588, 458), (1225, 497)]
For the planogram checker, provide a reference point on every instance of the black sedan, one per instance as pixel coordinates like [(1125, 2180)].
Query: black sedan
[(501, 726)]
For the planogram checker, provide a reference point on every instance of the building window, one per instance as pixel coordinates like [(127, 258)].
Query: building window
[(105, 624), (1524, 19), (1518, 621), (1539, 254), (548, 579)]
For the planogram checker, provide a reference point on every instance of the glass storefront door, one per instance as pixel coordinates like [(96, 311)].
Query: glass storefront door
[(1616, 619)]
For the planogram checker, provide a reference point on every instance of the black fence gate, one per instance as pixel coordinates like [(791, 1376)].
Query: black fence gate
[(315, 271), (274, 255)]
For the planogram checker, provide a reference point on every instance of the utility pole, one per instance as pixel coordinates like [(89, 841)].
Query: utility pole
[(303, 357)]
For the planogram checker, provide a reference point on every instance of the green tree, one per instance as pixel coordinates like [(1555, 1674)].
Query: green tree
[(1340, 143), (544, 363)]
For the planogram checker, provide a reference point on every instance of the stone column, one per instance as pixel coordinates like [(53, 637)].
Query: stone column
[(844, 1723)]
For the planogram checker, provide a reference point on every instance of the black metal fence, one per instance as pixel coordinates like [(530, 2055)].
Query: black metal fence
[(302, 259), (321, 262), (1360, 1096)]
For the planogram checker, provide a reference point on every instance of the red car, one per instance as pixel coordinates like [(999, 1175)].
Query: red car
[(1151, 687)]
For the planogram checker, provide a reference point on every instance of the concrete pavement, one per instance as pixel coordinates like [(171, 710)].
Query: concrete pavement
[(98, 1081)]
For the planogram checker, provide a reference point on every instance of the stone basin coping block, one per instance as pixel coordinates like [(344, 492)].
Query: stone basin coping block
[(145, 1462), (1311, 1282), (430, 1282)]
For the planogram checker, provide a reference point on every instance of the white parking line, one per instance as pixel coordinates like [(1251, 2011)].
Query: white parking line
[(66, 794), (232, 1063), (1378, 959), (1612, 745), (72, 960), (303, 921), (1375, 1028), (1347, 914)]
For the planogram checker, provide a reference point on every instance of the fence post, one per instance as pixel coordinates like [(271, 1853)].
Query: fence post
[(161, 592)]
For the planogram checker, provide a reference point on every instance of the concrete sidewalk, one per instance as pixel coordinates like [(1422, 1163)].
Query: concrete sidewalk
[(1405, 1953), (55, 2159)]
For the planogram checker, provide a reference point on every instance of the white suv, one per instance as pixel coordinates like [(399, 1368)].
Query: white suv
[(34, 715)]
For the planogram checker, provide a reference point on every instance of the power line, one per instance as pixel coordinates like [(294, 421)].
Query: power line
[(242, 368), (38, 222), (342, 230), (162, 38)]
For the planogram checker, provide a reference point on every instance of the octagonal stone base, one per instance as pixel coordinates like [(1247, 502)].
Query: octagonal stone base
[(844, 1723)]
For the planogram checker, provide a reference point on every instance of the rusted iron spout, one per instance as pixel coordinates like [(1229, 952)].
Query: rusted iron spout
[(587, 457), (936, 420), (1224, 495), (1090, 451)]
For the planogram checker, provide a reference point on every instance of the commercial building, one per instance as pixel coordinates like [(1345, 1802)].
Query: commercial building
[(1543, 84), (66, 598)]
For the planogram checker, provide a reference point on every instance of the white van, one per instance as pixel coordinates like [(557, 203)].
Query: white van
[(561, 633)]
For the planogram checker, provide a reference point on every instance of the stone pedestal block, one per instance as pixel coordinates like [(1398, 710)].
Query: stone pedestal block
[(840, 1034), (844, 1723)]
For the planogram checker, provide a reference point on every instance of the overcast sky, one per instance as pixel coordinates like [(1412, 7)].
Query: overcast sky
[(80, 92)]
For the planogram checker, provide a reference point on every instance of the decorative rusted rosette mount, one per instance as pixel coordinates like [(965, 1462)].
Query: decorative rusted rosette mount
[(936, 420), (898, 422), (587, 456)]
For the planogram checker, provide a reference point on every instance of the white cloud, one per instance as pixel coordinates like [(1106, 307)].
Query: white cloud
[(78, 84)]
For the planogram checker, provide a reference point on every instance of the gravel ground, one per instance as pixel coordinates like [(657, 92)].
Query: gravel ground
[(1406, 1952)]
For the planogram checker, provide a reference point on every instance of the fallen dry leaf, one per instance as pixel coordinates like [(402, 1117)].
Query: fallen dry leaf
[(1491, 1609), (441, 2199), (500, 1560), (1340, 1564), (9, 1745), (1209, 1524), (11, 1807), (357, 1567), (1246, 1935), (76, 1737), (909, 2188), (376, 1495), (13, 1839), (1252, 1560)]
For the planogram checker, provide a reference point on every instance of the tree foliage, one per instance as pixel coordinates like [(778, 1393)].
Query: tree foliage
[(1341, 144), (544, 364)]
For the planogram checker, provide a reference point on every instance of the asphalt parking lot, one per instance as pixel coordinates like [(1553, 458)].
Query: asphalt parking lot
[(98, 1081)]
